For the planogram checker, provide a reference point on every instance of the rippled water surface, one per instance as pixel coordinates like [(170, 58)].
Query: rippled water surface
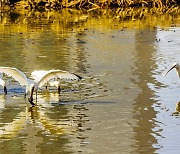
[(123, 104)]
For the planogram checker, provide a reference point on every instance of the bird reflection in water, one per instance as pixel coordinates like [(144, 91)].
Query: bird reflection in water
[(36, 115), (177, 110), (52, 126)]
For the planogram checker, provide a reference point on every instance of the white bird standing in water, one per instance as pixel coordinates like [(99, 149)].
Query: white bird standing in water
[(33, 85), (177, 67), (3, 84), (37, 75)]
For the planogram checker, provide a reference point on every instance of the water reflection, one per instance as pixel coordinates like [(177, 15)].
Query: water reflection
[(166, 90), (178, 107), (34, 114), (121, 95), (43, 126), (177, 110), (144, 112), (68, 21)]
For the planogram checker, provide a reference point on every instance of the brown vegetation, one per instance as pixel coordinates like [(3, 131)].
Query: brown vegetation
[(87, 4)]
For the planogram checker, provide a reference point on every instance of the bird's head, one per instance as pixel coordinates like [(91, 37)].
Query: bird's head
[(3, 84), (176, 66)]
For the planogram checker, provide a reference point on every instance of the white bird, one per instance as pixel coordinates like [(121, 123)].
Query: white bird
[(33, 85), (37, 75), (177, 67), (3, 84)]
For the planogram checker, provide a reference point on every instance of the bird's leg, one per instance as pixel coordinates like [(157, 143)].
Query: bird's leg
[(59, 89), (36, 96), (5, 90)]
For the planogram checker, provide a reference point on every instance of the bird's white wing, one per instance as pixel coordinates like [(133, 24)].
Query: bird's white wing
[(15, 73), (57, 74), (38, 74)]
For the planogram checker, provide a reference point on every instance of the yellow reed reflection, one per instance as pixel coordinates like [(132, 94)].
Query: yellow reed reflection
[(71, 20)]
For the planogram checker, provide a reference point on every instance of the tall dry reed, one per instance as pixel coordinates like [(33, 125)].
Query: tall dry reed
[(93, 4)]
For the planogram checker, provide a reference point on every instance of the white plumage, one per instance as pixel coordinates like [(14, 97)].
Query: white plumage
[(3, 84), (40, 78), (51, 76)]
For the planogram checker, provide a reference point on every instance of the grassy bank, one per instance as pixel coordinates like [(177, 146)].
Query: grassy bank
[(87, 4)]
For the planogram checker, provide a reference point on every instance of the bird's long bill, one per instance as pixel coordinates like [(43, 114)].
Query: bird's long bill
[(31, 96), (169, 70), (59, 89), (5, 90), (32, 90)]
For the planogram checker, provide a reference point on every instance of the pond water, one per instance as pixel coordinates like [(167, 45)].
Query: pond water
[(123, 104)]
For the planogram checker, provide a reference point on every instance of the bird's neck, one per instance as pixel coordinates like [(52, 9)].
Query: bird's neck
[(178, 71)]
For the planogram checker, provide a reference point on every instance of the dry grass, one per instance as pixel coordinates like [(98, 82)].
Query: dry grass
[(90, 4)]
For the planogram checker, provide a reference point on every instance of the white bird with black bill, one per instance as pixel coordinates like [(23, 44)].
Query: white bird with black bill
[(177, 67), (3, 84), (33, 85)]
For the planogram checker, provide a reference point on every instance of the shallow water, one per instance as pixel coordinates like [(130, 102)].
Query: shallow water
[(123, 104)]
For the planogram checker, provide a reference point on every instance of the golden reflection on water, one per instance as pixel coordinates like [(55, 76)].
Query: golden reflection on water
[(73, 20), (178, 107), (38, 126), (111, 109), (177, 110), (144, 112)]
